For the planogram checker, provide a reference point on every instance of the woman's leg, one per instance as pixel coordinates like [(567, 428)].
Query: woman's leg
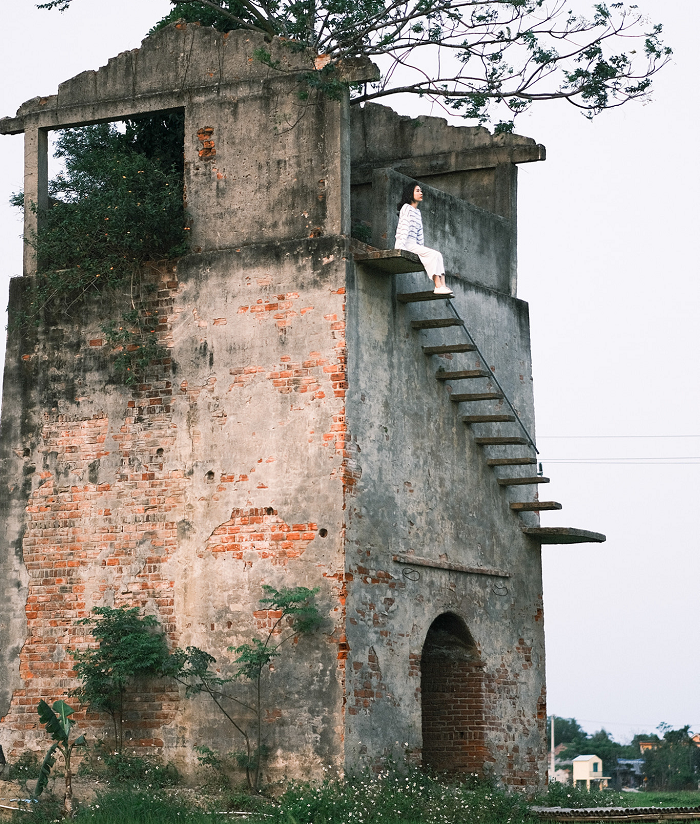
[(432, 263)]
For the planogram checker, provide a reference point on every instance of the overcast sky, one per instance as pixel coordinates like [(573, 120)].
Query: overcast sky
[(608, 230)]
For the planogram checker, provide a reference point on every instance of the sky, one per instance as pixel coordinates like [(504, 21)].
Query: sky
[(607, 261)]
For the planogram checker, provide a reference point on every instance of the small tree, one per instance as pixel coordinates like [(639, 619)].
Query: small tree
[(129, 646), (58, 723), (296, 612)]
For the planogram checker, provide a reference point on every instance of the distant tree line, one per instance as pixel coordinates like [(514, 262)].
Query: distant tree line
[(672, 763)]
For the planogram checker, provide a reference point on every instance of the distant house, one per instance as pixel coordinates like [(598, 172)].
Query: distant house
[(695, 738), (629, 772), (589, 769), (647, 745)]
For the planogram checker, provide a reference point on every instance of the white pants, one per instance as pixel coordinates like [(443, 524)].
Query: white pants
[(430, 258)]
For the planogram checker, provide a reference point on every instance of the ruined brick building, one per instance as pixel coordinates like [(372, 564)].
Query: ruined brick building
[(321, 421)]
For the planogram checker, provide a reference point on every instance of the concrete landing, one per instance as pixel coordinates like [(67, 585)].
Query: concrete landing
[(389, 261), (563, 535)]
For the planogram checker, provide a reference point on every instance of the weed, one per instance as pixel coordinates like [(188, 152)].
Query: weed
[(25, 768), (121, 768), (565, 795), (395, 796)]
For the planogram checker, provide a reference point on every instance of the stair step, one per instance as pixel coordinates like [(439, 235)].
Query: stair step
[(511, 461), (463, 373), (446, 349), (456, 397), (535, 506), (535, 479), (436, 323), (415, 297), (501, 441), (469, 419), (563, 535)]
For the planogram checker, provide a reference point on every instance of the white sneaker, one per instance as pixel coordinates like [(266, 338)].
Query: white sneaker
[(443, 290)]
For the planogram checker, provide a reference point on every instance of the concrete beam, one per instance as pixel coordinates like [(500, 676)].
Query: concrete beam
[(448, 162)]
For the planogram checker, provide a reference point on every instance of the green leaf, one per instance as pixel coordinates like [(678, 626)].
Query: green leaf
[(63, 711), (51, 722), (45, 772)]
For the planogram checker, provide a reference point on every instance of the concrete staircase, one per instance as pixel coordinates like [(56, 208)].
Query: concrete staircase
[(397, 261), (521, 443)]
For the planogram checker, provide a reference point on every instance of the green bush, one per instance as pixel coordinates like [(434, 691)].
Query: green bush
[(118, 204), (129, 807), (566, 795), (129, 646), (296, 612)]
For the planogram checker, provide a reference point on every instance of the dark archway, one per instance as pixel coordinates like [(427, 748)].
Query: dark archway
[(452, 699)]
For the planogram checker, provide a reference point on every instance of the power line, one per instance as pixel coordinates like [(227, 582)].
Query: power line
[(596, 437), (690, 460)]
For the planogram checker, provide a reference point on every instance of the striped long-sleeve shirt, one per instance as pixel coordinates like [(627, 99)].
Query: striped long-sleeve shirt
[(410, 229)]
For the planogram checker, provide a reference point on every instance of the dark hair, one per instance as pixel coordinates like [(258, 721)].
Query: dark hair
[(407, 194)]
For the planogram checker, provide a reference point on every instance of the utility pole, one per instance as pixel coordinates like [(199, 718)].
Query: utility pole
[(551, 771)]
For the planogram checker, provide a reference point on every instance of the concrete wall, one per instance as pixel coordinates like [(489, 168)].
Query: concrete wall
[(425, 488), (467, 162), (476, 245), (240, 188)]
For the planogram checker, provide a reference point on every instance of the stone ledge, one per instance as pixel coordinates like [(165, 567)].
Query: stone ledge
[(563, 535), (387, 261)]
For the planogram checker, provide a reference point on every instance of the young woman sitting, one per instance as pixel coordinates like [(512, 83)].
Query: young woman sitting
[(409, 236)]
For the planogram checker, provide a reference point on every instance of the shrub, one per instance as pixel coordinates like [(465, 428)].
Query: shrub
[(122, 768), (295, 613), (129, 646)]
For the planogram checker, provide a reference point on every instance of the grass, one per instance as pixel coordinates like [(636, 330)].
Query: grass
[(127, 807), (676, 798), (393, 798), (390, 799)]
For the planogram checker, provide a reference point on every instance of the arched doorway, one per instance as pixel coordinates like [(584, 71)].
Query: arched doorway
[(452, 698)]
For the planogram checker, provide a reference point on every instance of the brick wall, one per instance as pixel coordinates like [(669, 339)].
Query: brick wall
[(453, 711), (87, 542)]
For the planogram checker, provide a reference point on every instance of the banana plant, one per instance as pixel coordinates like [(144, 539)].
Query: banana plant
[(58, 724)]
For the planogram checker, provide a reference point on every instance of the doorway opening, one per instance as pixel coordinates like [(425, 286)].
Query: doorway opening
[(452, 699)]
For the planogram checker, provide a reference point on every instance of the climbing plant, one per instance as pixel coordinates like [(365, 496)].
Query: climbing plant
[(116, 206), (295, 613)]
